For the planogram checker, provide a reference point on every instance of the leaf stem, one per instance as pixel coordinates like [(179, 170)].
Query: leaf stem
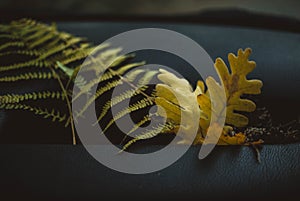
[(68, 104)]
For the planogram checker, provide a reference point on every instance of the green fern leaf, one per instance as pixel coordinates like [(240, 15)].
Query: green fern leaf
[(161, 128), (145, 102), (52, 55), (53, 114), (16, 98), (27, 76)]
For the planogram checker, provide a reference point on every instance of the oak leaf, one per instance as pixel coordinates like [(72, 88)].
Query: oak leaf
[(235, 84)]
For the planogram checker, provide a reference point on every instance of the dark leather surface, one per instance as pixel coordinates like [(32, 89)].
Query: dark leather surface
[(67, 172)]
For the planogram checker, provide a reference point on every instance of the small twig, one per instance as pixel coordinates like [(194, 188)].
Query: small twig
[(258, 157)]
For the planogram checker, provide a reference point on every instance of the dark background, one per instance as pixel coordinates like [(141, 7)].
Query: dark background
[(273, 14)]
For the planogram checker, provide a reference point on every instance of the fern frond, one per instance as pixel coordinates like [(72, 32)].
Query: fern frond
[(118, 99), (106, 76), (146, 119), (88, 86), (161, 128), (41, 40), (126, 68), (147, 77), (100, 92), (34, 62), (91, 66), (53, 114), (143, 103), (27, 76), (121, 58), (74, 56), (61, 47), (20, 52), (16, 98), (53, 43), (131, 76), (80, 82), (45, 48), (8, 36), (48, 54), (11, 44)]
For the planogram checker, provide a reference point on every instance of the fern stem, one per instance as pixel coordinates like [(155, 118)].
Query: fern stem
[(68, 104)]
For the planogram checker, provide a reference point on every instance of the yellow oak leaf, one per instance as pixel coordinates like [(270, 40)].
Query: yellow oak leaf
[(177, 102), (235, 84)]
